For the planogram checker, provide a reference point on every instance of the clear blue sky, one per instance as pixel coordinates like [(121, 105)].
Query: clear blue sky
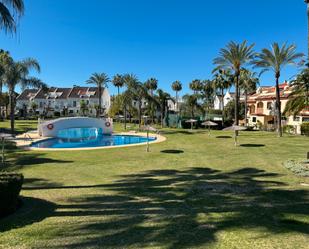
[(167, 39)]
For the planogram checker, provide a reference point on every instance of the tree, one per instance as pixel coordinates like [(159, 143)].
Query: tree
[(83, 107), (17, 73), (100, 80), (33, 106), (177, 87), (234, 57), (229, 111), (118, 82), (247, 83), (207, 94), (222, 80), (191, 101), (10, 11), (162, 99), (299, 98), (151, 85), (195, 86), (275, 60)]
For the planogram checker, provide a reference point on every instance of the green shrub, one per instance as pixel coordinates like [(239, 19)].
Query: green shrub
[(305, 129), (289, 129), (10, 186), (299, 167)]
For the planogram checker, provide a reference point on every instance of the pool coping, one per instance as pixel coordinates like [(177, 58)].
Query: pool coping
[(22, 143)]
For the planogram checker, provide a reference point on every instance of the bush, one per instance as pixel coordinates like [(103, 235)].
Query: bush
[(299, 167), (10, 186), (289, 129), (305, 129)]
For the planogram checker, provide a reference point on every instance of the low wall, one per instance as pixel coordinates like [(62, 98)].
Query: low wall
[(52, 127)]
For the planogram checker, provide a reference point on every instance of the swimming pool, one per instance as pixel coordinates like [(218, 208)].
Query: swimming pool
[(88, 138)]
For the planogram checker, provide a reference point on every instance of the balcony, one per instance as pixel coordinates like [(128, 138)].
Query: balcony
[(259, 111)]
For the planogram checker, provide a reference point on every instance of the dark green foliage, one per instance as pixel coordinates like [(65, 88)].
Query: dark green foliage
[(229, 111), (305, 129), (10, 186)]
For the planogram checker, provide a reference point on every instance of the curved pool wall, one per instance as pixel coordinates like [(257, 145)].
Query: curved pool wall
[(99, 141), (51, 128)]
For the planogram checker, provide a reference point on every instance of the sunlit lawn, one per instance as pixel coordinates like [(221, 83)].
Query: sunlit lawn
[(206, 194)]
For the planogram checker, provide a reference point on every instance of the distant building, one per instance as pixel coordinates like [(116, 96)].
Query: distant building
[(261, 108), (228, 97), (59, 100)]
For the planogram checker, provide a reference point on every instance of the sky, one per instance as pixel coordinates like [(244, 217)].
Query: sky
[(166, 39)]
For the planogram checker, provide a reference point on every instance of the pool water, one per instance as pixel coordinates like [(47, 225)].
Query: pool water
[(88, 137)]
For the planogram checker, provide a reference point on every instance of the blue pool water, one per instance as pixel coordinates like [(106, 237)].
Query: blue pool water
[(88, 137)]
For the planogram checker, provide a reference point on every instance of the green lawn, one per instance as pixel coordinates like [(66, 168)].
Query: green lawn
[(209, 195)]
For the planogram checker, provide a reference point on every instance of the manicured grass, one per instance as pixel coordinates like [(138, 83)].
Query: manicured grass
[(192, 191)]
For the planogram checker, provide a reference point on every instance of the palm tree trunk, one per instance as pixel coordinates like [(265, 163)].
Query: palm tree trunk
[(176, 102), (246, 107), (12, 112), (139, 114), (100, 100), (125, 116), (162, 115), (278, 106), (236, 122)]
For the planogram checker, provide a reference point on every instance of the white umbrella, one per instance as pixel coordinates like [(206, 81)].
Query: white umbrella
[(191, 121), (235, 128), (149, 128), (209, 123)]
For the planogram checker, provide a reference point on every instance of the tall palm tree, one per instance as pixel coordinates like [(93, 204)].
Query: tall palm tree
[(195, 85), (10, 11), (100, 80), (118, 82), (151, 85), (17, 73), (177, 87), (275, 60), (299, 98), (247, 83), (233, 57)]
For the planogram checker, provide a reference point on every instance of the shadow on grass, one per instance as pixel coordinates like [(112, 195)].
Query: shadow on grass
[(181, 208), (252, 145), (32, 210), (172, 151), (223, 137), (189, 132)]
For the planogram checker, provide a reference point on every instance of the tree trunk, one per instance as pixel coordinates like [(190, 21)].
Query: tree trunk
[(100, 101), (236, 122), (139, 114), (12, 111), (162, 115), (125, 116), (246, 107), (278, 106), (222, 104)]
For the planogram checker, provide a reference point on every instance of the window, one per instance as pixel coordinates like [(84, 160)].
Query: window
[(305, 119), (260, 105), (41, 104), (254, 120), (269, 105), (74, 103)]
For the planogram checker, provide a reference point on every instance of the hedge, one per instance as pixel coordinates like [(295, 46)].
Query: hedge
[(10, 186), (305, 129)]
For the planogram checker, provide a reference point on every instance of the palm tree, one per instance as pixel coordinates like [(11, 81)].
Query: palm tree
[(161, 100), (195, 86), (191, 100), (17, 73), (10, 9), (299, 98), (222, 81), (177, 87), (207, 93), (275, 60), (234, 57), (247, 83), (118, 82), (151, 85), (100, 80)]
